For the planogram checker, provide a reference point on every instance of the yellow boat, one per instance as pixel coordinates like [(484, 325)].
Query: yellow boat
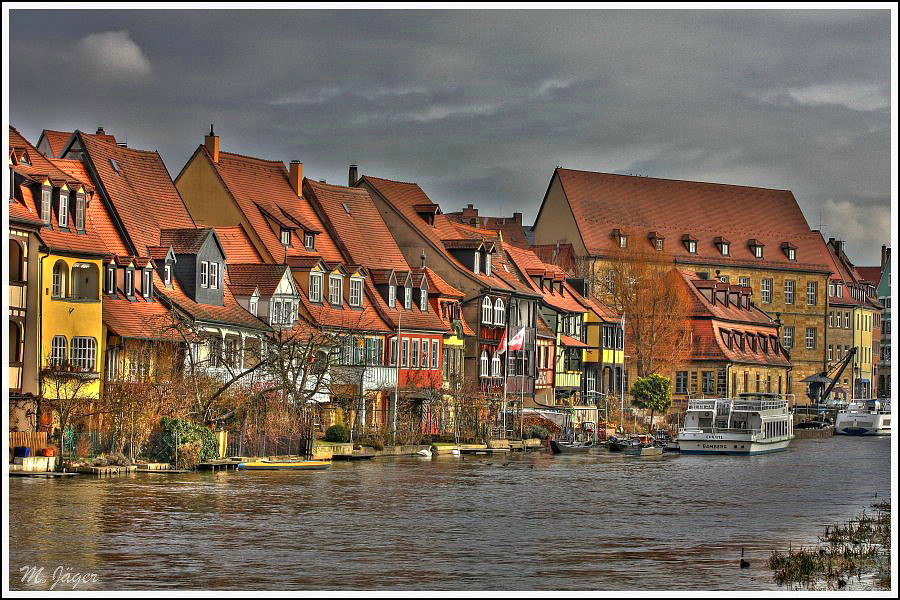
[(285, 465)]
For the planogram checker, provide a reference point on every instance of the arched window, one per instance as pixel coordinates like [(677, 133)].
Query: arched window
[(85, 281), (495, 366), (15, 342), (60, 279), (485, 364), (499, 312), (16, 261), (58, 350), (487, 311)]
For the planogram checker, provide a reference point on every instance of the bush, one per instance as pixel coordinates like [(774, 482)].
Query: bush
[(536, 431), (161, 447), (337, 433)]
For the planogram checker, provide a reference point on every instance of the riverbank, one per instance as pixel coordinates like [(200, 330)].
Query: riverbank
[(673, 522)]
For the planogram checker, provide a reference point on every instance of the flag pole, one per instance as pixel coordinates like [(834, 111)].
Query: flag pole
[(622, 379)]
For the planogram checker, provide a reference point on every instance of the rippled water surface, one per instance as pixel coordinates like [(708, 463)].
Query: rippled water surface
[(602, 521)]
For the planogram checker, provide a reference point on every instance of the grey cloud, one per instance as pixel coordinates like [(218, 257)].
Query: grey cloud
[(479, 106)]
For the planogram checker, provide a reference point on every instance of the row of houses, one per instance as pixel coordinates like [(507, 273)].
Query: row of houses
[(105, 248)]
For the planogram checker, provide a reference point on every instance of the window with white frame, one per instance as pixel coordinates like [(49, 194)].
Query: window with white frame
[(129, 281), (477, 265), (83, 355), (423, 296), (789, 285), (393, 357), (58, 350), (167, 274), (435, 347), (812, 293), (254, 305), (213, 275), (204, 274), (787, 338), (792, 253), (404, 354), (110, 283), (487, 311), (392, 295), (60, 279), (407, 295), (487, 264), (309, 240), (285, 237), (725, 248), (79, 211), (495, 366), (484, 364), (810, 338), (63, 208), (766, 290), (691, 246), (414, 359), (46, 195), (148, 284), (499, 312), (744, 281), (315, 287), (356, 291), (426, 354), (336, 290)]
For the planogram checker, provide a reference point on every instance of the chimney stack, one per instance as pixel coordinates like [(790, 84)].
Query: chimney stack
[(353, 178), (517, 217), (211, 142), (296, 177), (100, 130)]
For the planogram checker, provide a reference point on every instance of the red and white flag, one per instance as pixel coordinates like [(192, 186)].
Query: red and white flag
[(517, 342)]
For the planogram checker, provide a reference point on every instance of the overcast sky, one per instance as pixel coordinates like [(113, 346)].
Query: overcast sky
[(481, 106)]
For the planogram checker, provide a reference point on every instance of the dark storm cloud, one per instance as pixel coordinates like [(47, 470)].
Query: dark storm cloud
[(479, 106)]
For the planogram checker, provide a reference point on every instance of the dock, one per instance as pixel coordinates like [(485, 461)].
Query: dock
[(43, 474), (225, 464), (108, 471)]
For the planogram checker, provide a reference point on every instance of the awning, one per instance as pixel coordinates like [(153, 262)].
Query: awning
[(569, 341)]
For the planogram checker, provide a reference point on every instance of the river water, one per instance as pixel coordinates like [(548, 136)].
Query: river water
[(599, 522)]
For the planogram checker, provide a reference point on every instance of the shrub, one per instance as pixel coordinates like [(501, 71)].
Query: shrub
[(337, 433), (161, 447)]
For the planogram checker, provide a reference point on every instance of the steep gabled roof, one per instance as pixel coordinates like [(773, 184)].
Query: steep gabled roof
[(603, 202), (138, 186), (56, 140), (237, 245), (245, 278), (261, 187)]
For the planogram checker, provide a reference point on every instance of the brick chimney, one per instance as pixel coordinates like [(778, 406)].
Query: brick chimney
[(353, 175), (211, 141), (517, 217), (296, 176)]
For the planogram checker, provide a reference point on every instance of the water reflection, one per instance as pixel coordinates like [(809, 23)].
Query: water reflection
[(603, 521)]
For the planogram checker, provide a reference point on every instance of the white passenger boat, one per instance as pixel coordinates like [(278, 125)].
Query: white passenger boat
[(864, 417), (748, 424)]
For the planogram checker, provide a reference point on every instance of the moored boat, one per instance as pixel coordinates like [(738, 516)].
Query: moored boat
[(285, 465), (559, 447), (866, 417), (748, 424)]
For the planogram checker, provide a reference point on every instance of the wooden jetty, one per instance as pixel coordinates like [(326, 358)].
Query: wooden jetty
[(108, 471), (43, 474), (225, 464)]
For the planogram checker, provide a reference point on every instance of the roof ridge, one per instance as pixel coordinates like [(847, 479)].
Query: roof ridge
[(688, 181), (415, 183), (248, 157)]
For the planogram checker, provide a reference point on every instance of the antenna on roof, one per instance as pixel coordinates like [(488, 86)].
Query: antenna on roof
[(211, 133)]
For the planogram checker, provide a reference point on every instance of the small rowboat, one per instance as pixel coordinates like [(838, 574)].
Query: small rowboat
[(285, 465)]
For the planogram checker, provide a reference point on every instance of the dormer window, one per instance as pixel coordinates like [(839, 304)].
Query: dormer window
[(129, 282), (392, 294), (204, 274), (423, 296), (356, 292), (790, 250), (63, 213), (336, 290), (315, 287), (487, 264), (110, 284), (476, 267), (756, 248), (213, 275), (254, 304), (657, 240), (285, 237), (690, 243), (309, 241), (79, 211), (407, 296), (724, 246), (620, 237), (148, 284), (167, 274), (46, 193)]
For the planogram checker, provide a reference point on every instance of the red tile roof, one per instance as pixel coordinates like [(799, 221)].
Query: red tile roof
[(139, 319), (528, 262), (256, 184), (57, 140), (510, 229), (245, 278), (603, 202), (139, 188), (231, 313), (237, 245), (184, 241), (872, 274)]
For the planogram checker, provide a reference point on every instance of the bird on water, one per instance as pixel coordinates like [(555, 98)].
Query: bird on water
[(744, 563)]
